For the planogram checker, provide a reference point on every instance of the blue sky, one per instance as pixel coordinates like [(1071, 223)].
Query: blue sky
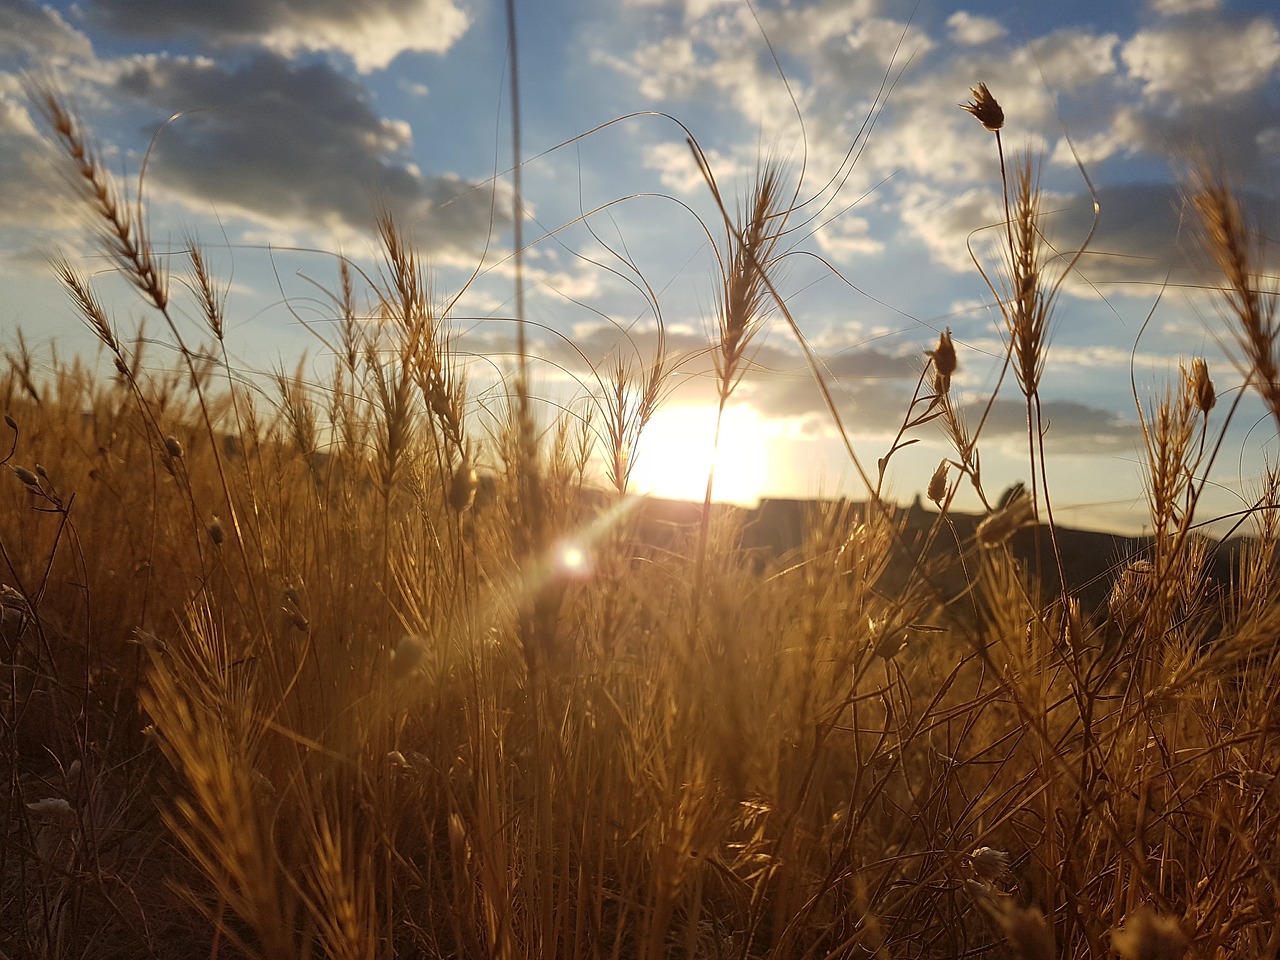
[(300, 119)]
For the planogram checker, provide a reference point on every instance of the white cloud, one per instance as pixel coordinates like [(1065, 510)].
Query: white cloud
[(1173, 8), (560, 284), (814, 24), (373, 42), (1123, 136), (971, 30), (933, 139), (372, 33), (679, 172), (1204, 62), (671, 69), (944, 221), (847, 237), (700, 8), (721, 59), (30, 191), (878, 39), (756, 91), (1089, 150), (693, 9), (1069, 59), (39, 36), (937, 160)]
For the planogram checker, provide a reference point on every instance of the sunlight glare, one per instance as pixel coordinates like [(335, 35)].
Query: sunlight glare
[(675, 454), (572, 559)]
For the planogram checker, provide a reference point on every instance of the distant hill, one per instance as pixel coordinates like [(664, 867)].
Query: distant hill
[(777, 527)]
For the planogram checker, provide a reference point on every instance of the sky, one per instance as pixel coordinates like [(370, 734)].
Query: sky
[(298, 121)]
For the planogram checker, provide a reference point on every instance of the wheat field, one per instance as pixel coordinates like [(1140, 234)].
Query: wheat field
[(306, 670)]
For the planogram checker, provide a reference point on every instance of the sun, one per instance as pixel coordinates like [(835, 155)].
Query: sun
[(675, 455)]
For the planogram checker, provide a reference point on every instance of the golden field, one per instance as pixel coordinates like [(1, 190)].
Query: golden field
[(334, 670)]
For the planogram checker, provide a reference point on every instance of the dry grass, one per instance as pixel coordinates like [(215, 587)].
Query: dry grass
[(282, 683)]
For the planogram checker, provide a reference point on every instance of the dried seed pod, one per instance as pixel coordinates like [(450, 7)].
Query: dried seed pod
[(26, 476)]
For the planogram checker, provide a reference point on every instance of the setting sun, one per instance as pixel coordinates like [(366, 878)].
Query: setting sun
[(676, 453)]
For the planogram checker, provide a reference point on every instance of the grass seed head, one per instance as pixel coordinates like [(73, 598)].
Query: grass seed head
[(989, 865), (1130, 592), (937, 491), (1001, 524), (944, 358), (985, 108), (1200, 385)]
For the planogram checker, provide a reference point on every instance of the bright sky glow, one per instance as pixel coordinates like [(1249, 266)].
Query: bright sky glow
[(678, 449), (300, 121)]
